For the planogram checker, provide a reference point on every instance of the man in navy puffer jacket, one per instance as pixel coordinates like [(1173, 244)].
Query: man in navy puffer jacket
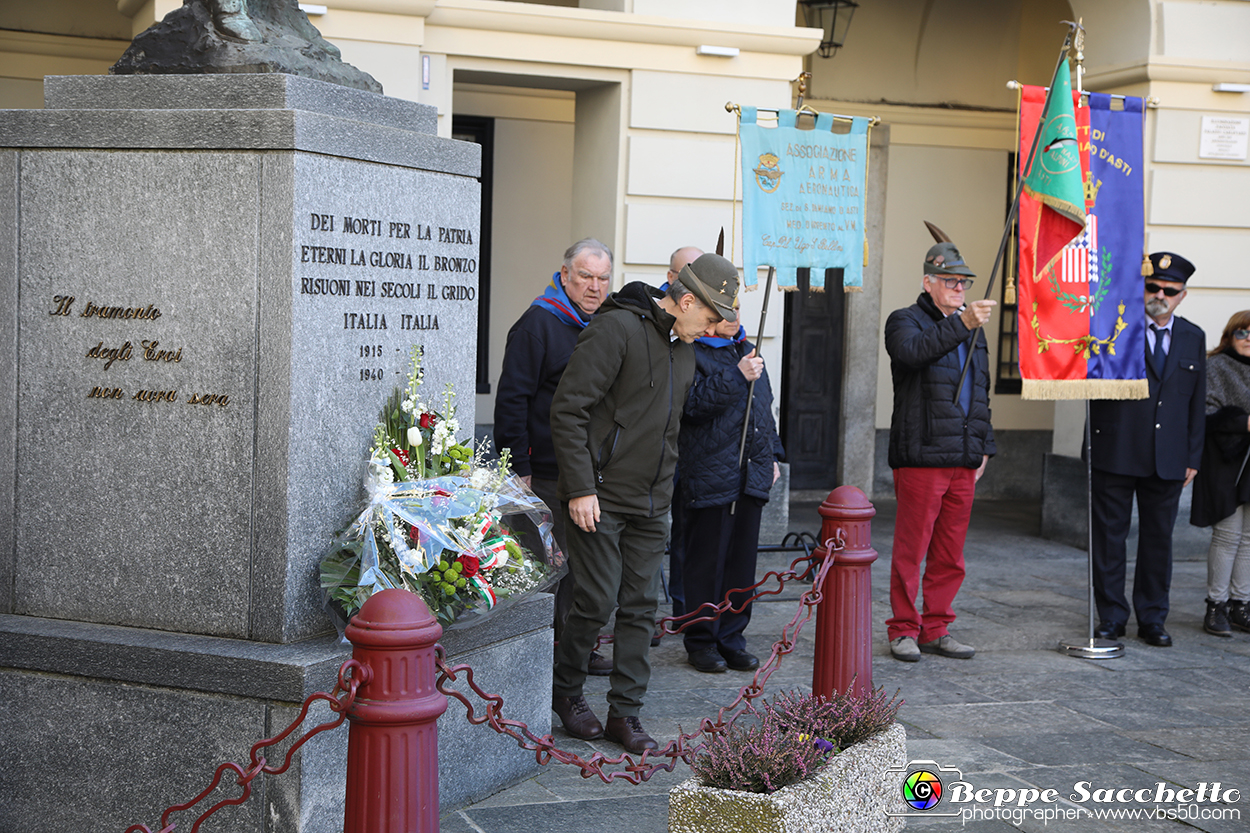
[(939, 445), (720, 548)]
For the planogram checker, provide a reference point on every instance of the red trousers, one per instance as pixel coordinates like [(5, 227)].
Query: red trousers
[(934, 506)]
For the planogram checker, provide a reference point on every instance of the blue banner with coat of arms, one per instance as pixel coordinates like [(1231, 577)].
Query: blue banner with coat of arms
[(803, 199)]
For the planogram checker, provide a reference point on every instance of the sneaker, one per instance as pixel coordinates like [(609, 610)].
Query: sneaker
[(948, 646), (599, 666), (1216, 620), (904, 648)]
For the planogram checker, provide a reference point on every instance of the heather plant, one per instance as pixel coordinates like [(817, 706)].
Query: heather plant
[(792, 736), (843, 719)]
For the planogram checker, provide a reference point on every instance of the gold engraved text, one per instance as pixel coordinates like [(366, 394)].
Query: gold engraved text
[(148, 313), (219, 399), (105, 393), (151, 354), (156, 395), (110, 354)]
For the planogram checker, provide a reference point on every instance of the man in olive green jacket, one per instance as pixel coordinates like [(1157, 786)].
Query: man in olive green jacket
[(614, 422)]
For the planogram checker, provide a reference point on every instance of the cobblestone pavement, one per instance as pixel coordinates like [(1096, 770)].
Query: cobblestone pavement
[(1019, 715)]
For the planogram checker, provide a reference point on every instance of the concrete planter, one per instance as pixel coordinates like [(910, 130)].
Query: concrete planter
[(850, 794)]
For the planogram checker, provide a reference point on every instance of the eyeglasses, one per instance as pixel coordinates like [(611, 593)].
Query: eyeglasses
[(1241, 335), (1170, 291), (955, 283)]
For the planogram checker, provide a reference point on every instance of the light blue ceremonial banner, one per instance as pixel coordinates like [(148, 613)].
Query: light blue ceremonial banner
[(803, 199)]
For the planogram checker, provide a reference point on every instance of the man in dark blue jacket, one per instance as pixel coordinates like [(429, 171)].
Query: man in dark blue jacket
[(720, 547), (1152, 448), (538, 349), (939, 445)]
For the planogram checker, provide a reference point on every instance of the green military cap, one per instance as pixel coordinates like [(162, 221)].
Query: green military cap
[(945, 259), (714, 281)]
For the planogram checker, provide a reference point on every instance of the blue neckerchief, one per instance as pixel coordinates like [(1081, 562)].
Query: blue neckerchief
[(717, 341), (556, 301)]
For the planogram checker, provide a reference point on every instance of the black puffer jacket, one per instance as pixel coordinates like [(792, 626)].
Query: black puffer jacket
[(617, 409), (538, 349), (711, 430), (928, 429)]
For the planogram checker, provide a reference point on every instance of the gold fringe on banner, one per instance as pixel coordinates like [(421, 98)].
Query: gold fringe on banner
[(1051, 389), (852, 289)]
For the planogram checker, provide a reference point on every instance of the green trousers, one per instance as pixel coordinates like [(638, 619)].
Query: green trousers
[(613, 567)]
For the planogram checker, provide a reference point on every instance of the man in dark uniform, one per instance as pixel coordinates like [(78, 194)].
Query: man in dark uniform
[(1150, 448)]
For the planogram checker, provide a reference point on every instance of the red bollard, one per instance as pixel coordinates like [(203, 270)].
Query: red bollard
[(392, 746), (844, 615)]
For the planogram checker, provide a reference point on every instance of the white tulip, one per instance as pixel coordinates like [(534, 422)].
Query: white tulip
[(414, 436)]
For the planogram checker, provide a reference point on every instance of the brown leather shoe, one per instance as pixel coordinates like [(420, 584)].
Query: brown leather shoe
[(577, 717), (628, 732), (600, 666)]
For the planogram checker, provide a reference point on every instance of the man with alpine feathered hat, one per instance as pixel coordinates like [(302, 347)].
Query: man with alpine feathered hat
[(940, 442)]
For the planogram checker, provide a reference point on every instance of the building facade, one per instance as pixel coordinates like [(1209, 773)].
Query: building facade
[(608, 118)]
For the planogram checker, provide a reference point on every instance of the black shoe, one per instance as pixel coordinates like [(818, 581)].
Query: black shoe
[(740, 660), (1216, 620), (599, 665), (707, 661), (1154, 635), (1109, 630), (1239, 615), (655, 637)]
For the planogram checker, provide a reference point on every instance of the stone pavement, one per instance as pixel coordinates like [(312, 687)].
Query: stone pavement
[(1018, 715)]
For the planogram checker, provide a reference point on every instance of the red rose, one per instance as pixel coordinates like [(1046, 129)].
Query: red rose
[(471, 565), (402, 455), (427, 420)]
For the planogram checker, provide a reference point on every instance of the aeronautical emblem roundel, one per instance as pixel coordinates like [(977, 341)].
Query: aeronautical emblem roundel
[(768, 175)]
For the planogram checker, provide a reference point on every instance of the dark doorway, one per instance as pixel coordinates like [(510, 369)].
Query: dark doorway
[(481, 130), (812, 379)]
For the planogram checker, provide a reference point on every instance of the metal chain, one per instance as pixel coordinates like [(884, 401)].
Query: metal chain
[(351, 676), (817, 562)]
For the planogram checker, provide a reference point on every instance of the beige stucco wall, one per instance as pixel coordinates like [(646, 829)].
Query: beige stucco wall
[(610, 106)]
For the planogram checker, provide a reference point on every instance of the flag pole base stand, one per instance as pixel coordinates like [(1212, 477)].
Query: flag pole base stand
[(1092, 648)]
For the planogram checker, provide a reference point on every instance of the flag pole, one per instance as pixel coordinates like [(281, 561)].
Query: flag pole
[(768, 291), (1091, 647), (1015, 203)]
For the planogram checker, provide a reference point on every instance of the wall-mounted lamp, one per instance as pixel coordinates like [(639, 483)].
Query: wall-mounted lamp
[(717, 51), (1227, 87), (833, 18)]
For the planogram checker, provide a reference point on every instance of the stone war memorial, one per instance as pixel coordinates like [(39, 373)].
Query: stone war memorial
[(213, 273)]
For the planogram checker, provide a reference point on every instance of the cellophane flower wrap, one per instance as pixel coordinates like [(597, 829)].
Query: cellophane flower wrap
[(440, 521)]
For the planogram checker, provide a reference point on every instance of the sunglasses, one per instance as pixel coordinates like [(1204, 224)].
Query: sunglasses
[(955, 283), (1170, 291), (1241, 335)]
